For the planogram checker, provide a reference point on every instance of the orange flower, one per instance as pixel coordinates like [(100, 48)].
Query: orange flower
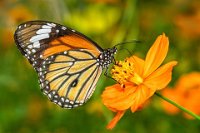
[(139, 79), (19, 14), (189, 25), (186, 93), (6, 37)]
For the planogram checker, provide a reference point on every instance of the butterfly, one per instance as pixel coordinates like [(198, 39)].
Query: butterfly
[(68, 63)]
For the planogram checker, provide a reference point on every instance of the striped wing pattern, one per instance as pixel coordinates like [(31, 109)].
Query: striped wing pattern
[(68, 79)]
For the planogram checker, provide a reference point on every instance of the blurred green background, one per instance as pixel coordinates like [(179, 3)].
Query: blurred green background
[(24, 109)]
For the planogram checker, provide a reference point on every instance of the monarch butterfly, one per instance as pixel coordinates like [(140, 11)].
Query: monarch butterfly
[(68, 63)]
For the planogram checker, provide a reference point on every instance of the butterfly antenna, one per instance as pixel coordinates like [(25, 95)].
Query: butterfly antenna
[(132, 41), (130, 52)]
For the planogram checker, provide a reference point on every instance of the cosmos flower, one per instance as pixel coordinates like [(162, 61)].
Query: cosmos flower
[(138, 80), (186, 93)]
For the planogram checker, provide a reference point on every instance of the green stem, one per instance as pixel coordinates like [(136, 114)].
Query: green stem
[(178, 106)]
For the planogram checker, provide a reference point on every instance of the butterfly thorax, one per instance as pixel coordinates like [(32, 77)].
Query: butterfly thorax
[(106, 57)]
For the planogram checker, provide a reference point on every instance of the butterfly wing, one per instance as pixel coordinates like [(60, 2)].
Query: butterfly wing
[(65, 60), (69, 78), (38, 40)]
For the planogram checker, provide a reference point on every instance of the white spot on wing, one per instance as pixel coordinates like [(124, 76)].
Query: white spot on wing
[(75, 105), (42, 31), (49, 95), (39, 37), (70, 63), (29, 52), (33, 50), (59, 103), (64, 28), (36, 44), (51, 24), (66, 100), (46, 27), (30, 46)]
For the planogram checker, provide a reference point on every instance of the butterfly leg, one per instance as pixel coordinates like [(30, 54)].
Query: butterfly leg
[(114, 60), (106, 73), (108, 76)]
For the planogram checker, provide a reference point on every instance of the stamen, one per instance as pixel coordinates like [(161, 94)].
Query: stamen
[(124, 72)]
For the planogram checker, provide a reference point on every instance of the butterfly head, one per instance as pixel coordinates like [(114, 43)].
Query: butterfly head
[(106, 57)]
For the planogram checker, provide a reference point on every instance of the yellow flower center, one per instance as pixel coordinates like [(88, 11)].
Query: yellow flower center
[(123, 71)]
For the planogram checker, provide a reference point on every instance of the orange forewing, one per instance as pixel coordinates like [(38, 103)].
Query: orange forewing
[(69, 42)]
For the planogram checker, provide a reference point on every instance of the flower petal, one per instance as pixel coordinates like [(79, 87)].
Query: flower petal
[(156, 55), (142, 94), (117, 98), (139, 64), (114, 121), (161, 77)]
